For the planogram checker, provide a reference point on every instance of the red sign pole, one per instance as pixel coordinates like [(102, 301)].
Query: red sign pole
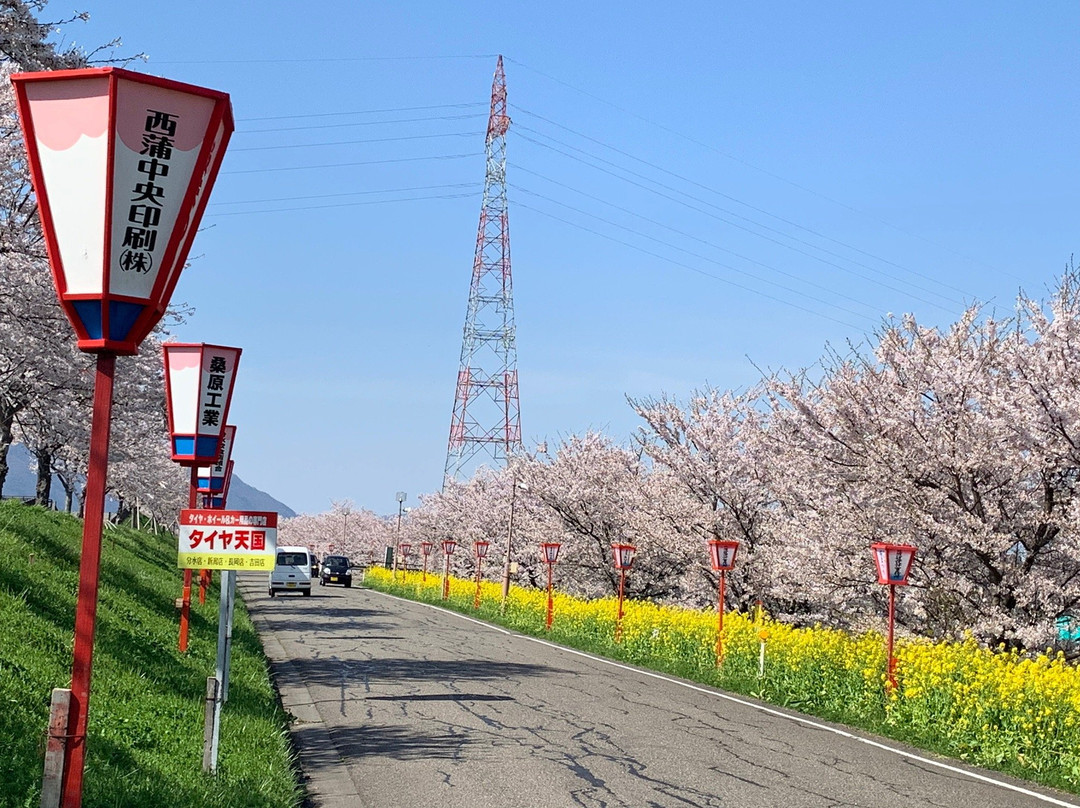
[(892, 619), (479, 575), (720, 619), (619, 615), (550, 603), (185, 598), (89, 568)]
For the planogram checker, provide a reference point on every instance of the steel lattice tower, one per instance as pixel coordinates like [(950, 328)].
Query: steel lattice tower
[(487, 417)]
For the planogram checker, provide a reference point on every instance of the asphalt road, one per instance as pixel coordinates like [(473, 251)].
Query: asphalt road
[(401, 704)]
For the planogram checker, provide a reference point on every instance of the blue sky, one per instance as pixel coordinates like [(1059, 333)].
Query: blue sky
[(697, 190)]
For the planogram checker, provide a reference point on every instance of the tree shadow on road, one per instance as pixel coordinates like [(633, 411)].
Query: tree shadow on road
[(443, 697), (335, 672), (375, 740)]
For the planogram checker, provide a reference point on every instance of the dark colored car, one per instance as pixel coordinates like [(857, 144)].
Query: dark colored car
[(335, 570)]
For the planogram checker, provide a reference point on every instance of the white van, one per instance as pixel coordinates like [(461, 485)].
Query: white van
[(292, 571)]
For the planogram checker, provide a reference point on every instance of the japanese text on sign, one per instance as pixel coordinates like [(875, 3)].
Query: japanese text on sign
[(144, 214), (227, 539), (214, 392)]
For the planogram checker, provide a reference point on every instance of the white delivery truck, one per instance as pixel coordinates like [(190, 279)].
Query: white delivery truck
[(292, 571)]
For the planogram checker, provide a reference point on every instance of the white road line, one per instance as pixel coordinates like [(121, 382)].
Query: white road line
[(760, 708)]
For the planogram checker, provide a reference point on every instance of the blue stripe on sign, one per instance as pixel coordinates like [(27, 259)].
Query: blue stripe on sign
[(207, 446), (184, 446), (89, 313), (122, 317)]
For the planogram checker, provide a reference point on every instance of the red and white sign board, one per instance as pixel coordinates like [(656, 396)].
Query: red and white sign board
[(227, 540)]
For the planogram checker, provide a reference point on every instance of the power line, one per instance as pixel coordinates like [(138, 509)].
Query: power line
[(733, 224), (357, 142), (743, 203), (324, 61), (274, 131), (363, 112), (691, 236), (341, 205), (357, 163), (351, 193), (754, 167), (693, 254), (668, 260)]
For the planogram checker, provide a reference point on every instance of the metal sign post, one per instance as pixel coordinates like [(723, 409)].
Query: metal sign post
[(228, 541)]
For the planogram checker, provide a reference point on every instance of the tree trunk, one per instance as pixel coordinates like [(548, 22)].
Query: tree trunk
[(43, 491), (69, 492), (7, 421)]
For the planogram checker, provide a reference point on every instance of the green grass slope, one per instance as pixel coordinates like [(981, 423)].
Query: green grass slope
[(146, 700)]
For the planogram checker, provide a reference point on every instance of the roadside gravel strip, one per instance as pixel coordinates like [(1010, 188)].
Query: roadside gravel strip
[(407, 703)]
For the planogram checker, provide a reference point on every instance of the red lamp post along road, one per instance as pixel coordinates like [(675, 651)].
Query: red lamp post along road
[(722, 555), (425, 549), (448, 547), (481, 548), (122, 165), (893, 563), (624, 559), (551, 555), (405, 548), (198, 391)]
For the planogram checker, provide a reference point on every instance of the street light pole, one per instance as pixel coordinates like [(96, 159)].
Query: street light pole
[(481, 548), (401, 495), (509, 541)]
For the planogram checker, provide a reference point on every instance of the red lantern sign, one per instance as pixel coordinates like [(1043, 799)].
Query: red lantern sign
[(551, 551), (624, 555), (217, 500), (481, 548), (212, 478), (426, 547), (893, 562), (122, 165), (405, 548), (198, 390), (722, 554), (448, 547)]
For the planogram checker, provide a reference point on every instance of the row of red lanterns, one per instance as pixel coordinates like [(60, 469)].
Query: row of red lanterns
[(893, 562)]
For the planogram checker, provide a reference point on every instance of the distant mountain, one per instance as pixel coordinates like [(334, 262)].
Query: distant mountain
[(243, 497), (22, 481)]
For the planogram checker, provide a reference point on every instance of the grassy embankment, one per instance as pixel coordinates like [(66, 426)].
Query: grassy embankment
[(146, 703), (997, 710)]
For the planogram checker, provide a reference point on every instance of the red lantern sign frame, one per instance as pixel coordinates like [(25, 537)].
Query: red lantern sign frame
[(118, 323), (551, 551), (624, 555), (893, 562), (721, 550), (205, 446)]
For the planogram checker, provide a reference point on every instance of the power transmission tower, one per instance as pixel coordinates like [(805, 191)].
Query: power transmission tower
[(487, 417)]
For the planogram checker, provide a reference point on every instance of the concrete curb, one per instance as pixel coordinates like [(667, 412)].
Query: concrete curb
[(325, 776)]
